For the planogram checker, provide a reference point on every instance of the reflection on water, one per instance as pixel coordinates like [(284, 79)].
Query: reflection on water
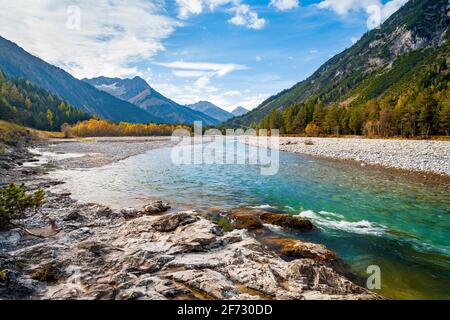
[(369, 217)]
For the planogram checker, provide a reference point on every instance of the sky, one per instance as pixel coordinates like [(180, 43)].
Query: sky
[(229, 52)]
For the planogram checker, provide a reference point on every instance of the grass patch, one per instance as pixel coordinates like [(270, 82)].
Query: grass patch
[(48, 134), (12, 134), (224, 223)]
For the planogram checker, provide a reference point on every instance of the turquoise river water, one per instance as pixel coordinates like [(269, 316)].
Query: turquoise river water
[(367, 216)]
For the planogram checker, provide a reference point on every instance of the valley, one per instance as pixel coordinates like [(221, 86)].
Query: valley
[(120, 179)]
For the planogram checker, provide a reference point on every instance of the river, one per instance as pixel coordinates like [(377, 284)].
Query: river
[(367, 216)]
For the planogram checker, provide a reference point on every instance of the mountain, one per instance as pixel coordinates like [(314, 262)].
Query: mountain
[(211, 110), (384, 60), (239, 111), (16, 62), (24, 103), (138, 92)]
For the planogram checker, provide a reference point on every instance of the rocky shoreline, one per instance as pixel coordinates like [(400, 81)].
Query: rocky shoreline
[(89, 251), (417, 156)]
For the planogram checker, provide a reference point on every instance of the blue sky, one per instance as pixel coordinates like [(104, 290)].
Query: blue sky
[(230, 52)]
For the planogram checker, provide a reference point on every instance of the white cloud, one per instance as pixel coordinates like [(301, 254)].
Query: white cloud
[(203, 71), (377, 11), (189, 73), (113, 34), (228, 100), (97, 48), (354, 40), (189, 7), (284, 5), (313, 51), (232, 93), (258, 58), (391, 7), (218, 69), (245, 17)]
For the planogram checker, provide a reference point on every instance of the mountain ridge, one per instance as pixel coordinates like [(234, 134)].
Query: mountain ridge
[(18, 63), (138, 92), (240, 111), (419, 24), (211, 110)]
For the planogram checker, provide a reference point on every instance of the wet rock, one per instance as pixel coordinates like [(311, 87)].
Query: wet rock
[(156, 207), (245, 221), (287, 221), (254, 219), (299, 249)]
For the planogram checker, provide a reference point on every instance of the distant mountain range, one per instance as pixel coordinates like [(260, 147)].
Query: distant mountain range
[(384, 61), (129, 100), (16, 62), (211, 110), (239, 111), (138, 92)]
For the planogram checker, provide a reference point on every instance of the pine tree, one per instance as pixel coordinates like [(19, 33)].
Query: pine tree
[(426, 107), (50, 118), (356, 120), (444, 118), (318, 114)]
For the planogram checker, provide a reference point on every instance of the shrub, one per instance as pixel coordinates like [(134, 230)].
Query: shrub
[(312, 130), (103, 128), (14, 200)]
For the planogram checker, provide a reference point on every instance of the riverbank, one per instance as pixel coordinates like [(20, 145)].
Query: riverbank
[(90, 251), (418, 156)]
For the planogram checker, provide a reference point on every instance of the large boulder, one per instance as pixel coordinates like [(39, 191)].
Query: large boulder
[(255, 219), (245, 221), (287, 221), (294, 248)]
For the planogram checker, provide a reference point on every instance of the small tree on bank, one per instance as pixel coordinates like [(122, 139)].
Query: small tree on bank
[(14, 201)]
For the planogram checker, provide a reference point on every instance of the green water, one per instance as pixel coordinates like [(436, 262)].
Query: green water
[(368, 216)]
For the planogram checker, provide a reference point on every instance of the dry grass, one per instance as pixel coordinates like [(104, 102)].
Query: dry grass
[(12, 134), (48, 134)]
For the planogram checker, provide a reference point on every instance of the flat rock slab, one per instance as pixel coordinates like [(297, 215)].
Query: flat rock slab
[(177, 255)]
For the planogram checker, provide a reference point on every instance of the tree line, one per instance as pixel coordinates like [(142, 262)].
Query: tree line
[(420, 112), (24, 103), (101, 128)]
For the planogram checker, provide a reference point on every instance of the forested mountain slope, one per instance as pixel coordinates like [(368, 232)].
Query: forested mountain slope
[(24, 103), (407, 56), (16, 62)]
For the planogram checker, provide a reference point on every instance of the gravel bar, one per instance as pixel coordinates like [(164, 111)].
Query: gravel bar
[(413, 155)]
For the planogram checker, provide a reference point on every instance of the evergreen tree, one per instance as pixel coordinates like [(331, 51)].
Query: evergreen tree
[(24, 103), (427, 109), (444, 117)]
